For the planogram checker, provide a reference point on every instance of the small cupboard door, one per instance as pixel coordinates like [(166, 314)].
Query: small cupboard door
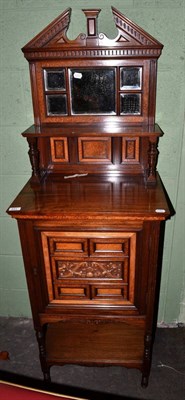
[(90, 268)]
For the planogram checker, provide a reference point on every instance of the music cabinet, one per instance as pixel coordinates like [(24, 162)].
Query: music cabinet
[(91, 217)]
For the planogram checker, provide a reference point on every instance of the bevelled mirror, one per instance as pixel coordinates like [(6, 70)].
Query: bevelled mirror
[(131, 78), (93, 91), (56, 104), (55, 79), (130, 104)]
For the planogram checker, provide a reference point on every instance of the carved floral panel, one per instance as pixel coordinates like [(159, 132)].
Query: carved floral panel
[(90, 269)]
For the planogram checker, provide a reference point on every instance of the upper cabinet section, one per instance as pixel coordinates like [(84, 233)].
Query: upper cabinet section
[(92, 76)]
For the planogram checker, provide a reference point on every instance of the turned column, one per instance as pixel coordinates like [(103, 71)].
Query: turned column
[(152, 160), (34, 158)]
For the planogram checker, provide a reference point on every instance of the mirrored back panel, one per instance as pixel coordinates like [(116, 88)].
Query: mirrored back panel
[(114, 91), (93, 91)]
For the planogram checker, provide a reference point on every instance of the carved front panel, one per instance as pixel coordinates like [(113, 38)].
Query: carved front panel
[(90, 267), (90, 270)]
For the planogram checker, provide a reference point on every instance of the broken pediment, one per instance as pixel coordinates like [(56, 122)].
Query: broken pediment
[(132, 39)]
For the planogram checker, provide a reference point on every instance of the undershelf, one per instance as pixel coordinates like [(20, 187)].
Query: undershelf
[(95, 343)]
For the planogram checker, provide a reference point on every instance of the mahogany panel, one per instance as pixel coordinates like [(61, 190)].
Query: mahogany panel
[(130, 149), (72, 292), (110, 292), (134, 156), (94, 149), (63, 246), (111, 343), (59, 149), (110, 247)]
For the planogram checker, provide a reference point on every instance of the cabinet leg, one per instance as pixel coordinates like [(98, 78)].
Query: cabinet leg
[(144, 380), (40, 334), (47, 377), (146, 359)]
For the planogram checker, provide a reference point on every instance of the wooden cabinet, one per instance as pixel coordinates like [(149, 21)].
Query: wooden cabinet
[(91, 217), (89, 267)]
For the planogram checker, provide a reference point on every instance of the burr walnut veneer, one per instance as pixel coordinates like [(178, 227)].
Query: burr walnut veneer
[(91, 217)]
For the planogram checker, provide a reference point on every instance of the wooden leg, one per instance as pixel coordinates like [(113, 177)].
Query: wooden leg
[(47, 377), (40, 334), (146, 360), (144, 380)]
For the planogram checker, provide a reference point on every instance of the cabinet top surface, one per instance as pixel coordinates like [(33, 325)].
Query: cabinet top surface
[(91, 197)]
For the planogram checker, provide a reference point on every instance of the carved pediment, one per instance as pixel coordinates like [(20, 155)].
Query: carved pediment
[(132, 32), (132, 39), (56, 30)]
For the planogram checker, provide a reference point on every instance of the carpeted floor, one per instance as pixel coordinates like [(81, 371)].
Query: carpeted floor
[(167, 378)]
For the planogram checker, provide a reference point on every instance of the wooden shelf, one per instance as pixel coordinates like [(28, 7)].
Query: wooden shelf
[(103, 129), (95, 343)]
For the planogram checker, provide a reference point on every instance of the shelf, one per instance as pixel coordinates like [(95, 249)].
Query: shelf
[(79, 129), (91, 343)]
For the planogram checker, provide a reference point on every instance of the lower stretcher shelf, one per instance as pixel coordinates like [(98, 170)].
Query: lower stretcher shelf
[(95, 343)]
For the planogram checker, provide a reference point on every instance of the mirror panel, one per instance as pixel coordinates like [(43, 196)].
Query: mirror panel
[(93, 91), (55, 79), (131, 78), (56, 104), (130, 104)]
